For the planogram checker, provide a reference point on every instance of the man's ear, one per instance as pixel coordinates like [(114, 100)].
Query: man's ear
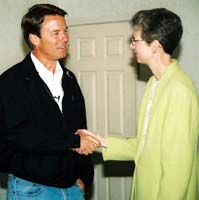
[(34, 39)]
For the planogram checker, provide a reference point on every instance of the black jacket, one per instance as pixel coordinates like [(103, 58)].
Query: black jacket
[(35, 137)]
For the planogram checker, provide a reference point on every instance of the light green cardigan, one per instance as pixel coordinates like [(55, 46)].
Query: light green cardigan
[(167, 169)]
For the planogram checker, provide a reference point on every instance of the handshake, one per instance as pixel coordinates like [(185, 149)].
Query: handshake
[(89, 142)]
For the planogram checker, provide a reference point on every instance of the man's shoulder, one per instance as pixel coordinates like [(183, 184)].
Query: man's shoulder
[(9, 76), (13, 70)]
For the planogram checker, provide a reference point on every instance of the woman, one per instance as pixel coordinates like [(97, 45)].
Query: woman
[(165, 149)]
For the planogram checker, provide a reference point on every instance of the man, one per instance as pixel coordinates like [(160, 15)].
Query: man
[(165, 149), (41, 107)]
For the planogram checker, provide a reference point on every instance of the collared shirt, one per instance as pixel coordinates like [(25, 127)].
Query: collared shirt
[(52, 80)]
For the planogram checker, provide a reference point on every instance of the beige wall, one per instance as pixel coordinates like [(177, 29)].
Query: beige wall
[(91, 11), (13, 50)]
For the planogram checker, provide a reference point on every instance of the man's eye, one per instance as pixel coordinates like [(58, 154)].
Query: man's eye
[(55, 33)]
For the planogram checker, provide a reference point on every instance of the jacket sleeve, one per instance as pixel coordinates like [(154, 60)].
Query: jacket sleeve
[(179, 144), (19, 132), (120, 149), (6, 151), (86, 170)]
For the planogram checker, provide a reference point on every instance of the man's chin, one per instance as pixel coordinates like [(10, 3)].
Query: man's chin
[(62, 56)]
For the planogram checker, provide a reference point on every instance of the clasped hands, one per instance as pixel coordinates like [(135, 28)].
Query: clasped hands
[(89, 142)]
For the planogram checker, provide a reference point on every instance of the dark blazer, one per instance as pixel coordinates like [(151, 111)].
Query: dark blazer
[(35, 136)]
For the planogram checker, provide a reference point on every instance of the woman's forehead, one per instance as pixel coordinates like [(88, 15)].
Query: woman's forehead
[(137, 32)]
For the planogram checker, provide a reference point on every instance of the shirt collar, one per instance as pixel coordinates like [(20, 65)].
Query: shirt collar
[(41, 69)]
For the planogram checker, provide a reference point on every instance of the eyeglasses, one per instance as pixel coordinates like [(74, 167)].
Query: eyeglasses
[(133, 41)]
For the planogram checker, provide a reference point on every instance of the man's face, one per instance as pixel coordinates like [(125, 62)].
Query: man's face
[(54, 37)]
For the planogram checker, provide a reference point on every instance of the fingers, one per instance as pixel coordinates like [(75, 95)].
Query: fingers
[(89, 142), (80, 183), (96, 138), (84, 131), (93, 138), (102, 140)]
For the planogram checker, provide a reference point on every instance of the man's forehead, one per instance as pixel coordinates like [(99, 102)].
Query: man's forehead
[(54, 21)]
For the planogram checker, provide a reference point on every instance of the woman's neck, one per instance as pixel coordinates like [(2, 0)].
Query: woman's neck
[(159, 65)]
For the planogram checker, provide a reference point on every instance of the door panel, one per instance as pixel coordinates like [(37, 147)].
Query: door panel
[(100, 57)]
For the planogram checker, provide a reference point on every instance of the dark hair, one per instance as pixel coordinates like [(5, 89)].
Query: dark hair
[(159, 24), (32, 20)]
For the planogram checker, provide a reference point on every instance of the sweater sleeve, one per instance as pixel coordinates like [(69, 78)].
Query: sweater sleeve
[(120, 149)]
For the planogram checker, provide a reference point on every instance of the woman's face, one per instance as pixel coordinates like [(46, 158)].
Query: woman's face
[(142, 50)]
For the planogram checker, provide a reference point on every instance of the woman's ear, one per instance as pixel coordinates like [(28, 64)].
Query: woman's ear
[(156, 46)]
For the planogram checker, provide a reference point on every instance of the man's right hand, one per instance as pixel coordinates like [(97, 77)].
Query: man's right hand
[(89, 142)]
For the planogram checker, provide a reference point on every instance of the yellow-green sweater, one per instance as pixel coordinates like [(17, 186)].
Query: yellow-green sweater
[(167, 168)]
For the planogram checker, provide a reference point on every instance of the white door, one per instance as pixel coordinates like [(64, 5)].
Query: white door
[(100, 57)]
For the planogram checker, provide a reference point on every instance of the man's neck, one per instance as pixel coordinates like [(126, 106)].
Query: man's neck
[(49, 64)]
